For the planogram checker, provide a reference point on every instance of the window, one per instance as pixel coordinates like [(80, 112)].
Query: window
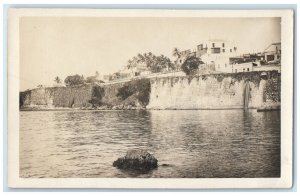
[(235, 70), (230, 50), (248, 69), (270, 57), (213, 45), (223, 50), (200, 47), (243, 70), (180, 61), (223, 45), (216, 50), (225, 64)]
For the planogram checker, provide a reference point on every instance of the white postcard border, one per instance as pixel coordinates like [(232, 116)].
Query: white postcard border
[(285, 181)]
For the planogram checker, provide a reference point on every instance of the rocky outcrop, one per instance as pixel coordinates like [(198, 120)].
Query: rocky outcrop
[(136, 160), (129, 95)]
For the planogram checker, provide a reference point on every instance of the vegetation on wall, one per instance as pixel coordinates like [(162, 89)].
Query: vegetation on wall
[(272, 89), (139, 88), (125, 91), (23, 96), (254, 77), (144, 89), (97, 94)]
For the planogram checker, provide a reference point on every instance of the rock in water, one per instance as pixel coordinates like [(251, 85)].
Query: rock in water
[(136, 160)]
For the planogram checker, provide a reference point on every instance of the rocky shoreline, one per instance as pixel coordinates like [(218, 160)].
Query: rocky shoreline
[(102, 108), (265, 107), (260, 109)]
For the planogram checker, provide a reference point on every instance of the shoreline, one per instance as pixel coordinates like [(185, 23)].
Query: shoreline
[(259, 109)]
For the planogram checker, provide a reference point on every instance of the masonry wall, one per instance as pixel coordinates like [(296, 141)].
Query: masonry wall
[(216, 91)]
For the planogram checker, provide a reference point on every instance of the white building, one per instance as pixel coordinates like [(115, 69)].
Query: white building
[(214, 53), (272, 53), (217, 53)]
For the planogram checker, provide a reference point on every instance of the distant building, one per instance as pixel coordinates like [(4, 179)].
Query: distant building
[(221, 56), (269, 59), (214, 53), (139, 69), (272, 54)]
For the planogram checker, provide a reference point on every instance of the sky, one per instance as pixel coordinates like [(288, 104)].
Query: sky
[(62, 46)]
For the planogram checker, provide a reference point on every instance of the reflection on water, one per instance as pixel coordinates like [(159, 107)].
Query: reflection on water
[(193, 143)]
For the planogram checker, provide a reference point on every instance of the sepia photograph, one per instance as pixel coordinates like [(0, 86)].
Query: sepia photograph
[(135, 95)]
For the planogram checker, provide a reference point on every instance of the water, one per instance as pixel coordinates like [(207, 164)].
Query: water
[(195, 143)]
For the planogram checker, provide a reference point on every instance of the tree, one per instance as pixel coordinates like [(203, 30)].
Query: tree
[(162, 63), (57, 80), (191, 65), (176, 53), (91, 79), (96, 74), (151, 61), (74, 80)]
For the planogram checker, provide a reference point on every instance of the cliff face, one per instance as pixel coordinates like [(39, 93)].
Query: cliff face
[(134, 93), (130, 94), (77, 96), (240, 90)]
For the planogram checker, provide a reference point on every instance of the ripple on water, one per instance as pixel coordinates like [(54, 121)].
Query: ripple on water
[(200, 143)]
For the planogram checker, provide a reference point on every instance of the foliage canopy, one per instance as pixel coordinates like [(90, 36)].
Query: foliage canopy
[(150, 61), (74, 80), (191, 65)]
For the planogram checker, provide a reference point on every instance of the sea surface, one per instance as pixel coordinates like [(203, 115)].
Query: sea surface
[(191, 143)]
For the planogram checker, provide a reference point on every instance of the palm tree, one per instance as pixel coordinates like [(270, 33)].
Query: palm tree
[(57, 80), (176, 53)]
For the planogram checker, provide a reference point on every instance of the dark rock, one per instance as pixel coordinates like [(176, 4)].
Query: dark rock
[(136, 160)]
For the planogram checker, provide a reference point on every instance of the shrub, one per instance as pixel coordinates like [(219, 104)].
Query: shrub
[(125, 91), (191, 65), (144, 89)]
